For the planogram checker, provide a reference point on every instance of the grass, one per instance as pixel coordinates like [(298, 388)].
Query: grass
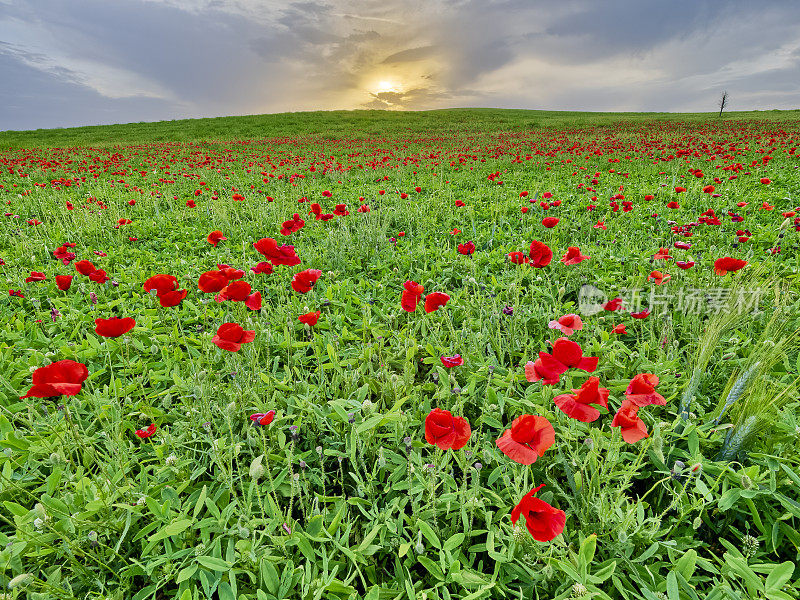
[(341, 496), (362, 124)]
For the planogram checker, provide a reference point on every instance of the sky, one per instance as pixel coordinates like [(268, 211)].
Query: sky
[(86, 62)]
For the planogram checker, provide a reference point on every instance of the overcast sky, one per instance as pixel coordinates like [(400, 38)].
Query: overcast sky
[(84, 62)]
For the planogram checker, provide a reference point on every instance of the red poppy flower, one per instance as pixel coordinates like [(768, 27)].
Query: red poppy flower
[(237, 197), (263, 268), (568, 324), (161, 284), (684, 264), (412, 292), (212, 281), (680, 189), (766, 206), (550, 222), (620, 329), (173, 298), (648, 197), (641, 315), (632, 427), (253, 301), (613, 305), (540, 254), (642, 390), (309, 318), (263, 418), (708, 189), (452, 361), (84, 267), (62, 378), (544, 522), (230, 272), (460, 203), (99, 276), (238, 291), (417, 189), (573, 256), (467, 248), (215, 237), (727, 264), (524, 210), (304, 281), (682, 245), (435, 300), (191, 203), (63, 282), (292, 225), (546, 368), (146, 433), (114, 327), (444, 430), (231, 336), (277, 255), (527, 439), (766, 181), (571, 355), (658, 277), (518, 258), (577, 405), (662, 254), (600, 225), (35, 276), (673, 204)]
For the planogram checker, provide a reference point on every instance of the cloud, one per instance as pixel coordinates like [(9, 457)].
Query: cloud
[(410, 55), (143, 59)]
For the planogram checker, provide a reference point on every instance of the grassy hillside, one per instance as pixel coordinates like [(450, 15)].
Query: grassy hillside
[(353, 124)]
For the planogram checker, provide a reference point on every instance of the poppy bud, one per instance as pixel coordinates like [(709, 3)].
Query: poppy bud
[(696, 468), (746, 482)]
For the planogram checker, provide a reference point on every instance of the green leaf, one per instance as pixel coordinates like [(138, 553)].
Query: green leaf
[(454, 541), (586, 553), (201, 499), (780, 576), (602, 574), (686, 564), (225, 592), (729, 498), (430, 534), (172, 529), (186, 573), (269, 575), (215, 564), (432, 567), (672, 586)]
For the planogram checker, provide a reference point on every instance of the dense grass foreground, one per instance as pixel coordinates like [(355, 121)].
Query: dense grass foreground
[(314, 458)]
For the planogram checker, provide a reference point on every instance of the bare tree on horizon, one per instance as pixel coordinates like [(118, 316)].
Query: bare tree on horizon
[(723, 102)]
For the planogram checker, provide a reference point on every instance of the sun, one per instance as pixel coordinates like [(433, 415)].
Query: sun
[(386, 85)]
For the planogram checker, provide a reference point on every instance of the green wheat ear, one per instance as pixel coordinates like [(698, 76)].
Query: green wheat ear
[(736, 391), (756, 395)]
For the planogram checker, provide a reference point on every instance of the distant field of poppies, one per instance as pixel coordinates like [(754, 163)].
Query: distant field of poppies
[(517, 355)]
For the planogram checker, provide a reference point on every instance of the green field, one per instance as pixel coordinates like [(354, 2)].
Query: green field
[(678, 481)]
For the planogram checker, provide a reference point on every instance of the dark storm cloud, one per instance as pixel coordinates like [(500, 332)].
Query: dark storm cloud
[(93, 61)]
